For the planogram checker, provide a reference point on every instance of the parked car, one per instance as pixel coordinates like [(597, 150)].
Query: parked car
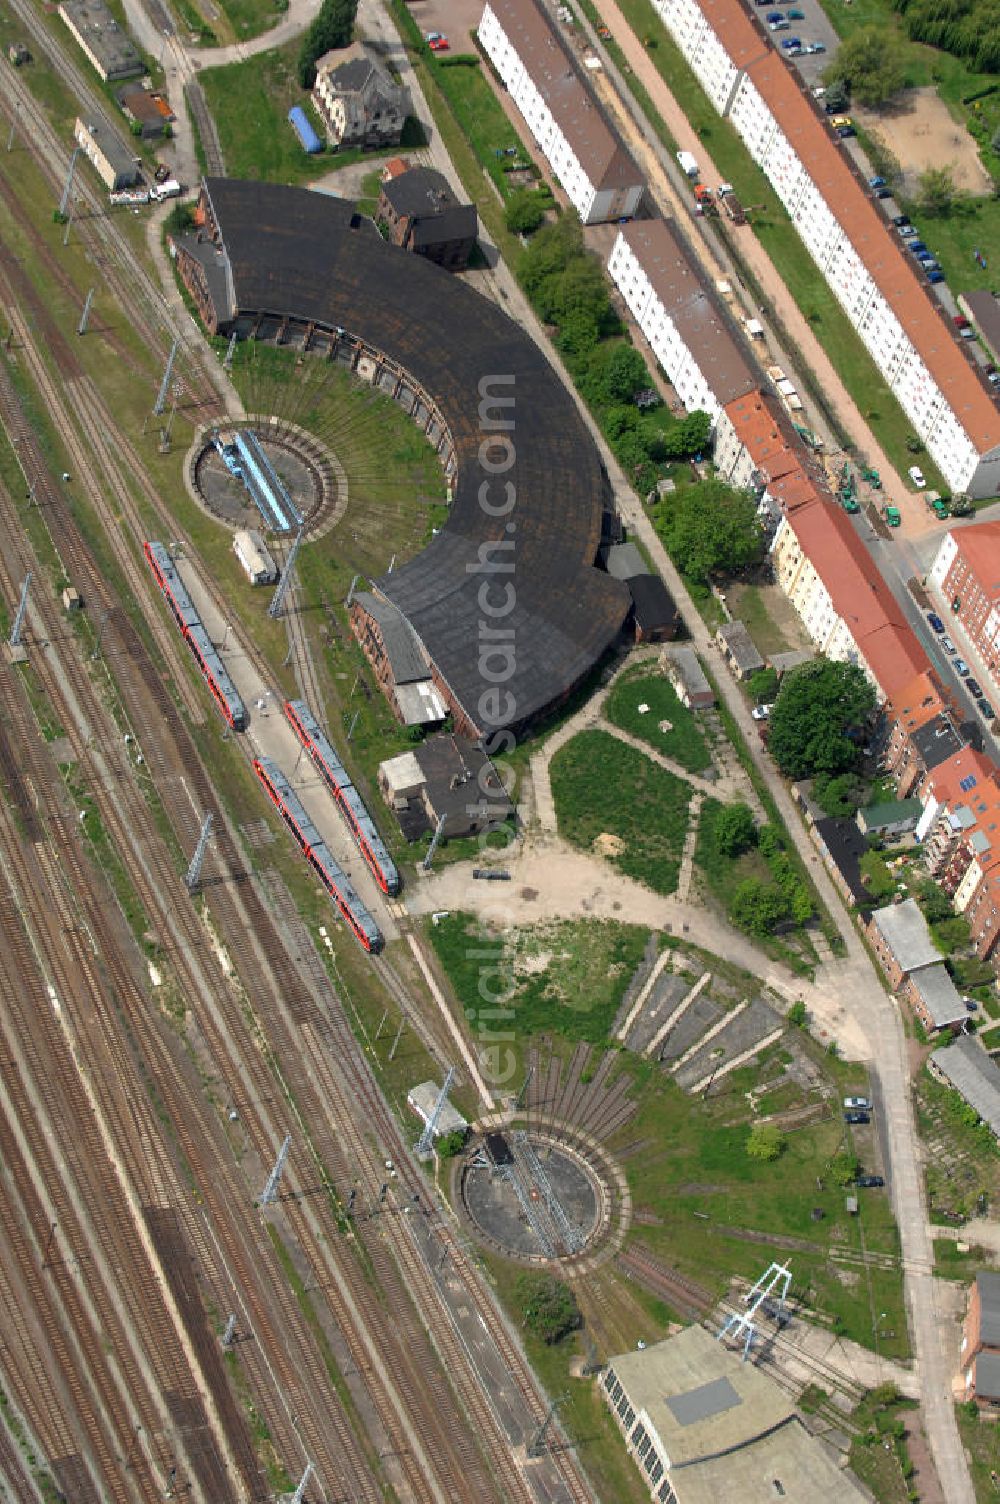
[(844, 131), (440, 44), (960, 321), (917, 476), (876, 182), (778, 25), (883, 192), (948, 645), (961, 668), (857, 1117), (761, 712), (815, 46), (907, 231), (993, 377), (975, 688), (899, 220), (937, 625), (985, 710), (870, 1182), (792, 44), (775, 15), (935, 276), (930, 265), (915, 247), (795, 15), (857, 1104)]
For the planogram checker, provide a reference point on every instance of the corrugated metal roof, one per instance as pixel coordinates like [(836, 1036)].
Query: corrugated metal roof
[(971, 1071)]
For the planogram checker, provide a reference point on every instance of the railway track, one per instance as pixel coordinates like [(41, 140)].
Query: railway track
[(238, 912)]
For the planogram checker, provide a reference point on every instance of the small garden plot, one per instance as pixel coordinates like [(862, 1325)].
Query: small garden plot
[(612, 800), (566, 979), (647, 706)]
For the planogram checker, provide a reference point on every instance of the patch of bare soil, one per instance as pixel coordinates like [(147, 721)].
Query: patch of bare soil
[(919, 130)]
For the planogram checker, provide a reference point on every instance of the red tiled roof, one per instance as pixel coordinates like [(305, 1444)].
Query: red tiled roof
[(892, 270), (946, 779), (859, 594), (918, 701), (979, 547)]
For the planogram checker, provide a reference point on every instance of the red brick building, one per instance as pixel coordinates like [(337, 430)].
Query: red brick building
[(981, 1340), (967, 572)]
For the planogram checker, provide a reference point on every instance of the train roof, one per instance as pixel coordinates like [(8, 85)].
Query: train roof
[(292, 252)]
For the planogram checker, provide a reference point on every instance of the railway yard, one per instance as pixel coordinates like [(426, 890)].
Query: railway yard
[(231, 1271), (158, 1046)]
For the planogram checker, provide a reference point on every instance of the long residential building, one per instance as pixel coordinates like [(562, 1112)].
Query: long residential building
[(966, 570), (908, 336), (819, 560), (583, 149)]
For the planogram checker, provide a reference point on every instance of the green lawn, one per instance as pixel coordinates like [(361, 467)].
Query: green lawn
[(250, 102), (682, 741), (965, 1161), (698, 1179), (248, 18), (564, 979), (981, 1439), (480, 115), (603, 788)]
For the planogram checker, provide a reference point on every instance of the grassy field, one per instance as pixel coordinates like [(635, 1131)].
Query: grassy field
[(481, 116), (776, 233), (683, 742), (981, 1439), (250, 103), (878, 1456), (963, 1161), (706, 1193), (602, 787), (565, 979), (249, 18)]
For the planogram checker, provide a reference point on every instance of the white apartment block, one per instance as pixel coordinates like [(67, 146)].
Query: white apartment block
[(906, 335), (683, 323), (586, 156)]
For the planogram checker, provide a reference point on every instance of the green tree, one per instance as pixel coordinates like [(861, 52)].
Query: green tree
[(839, 797), (936, 192), (934, 902), (844, 1168), (525, 212), (766, 1142), (763, 685), (797, 1014), (818, 720), (758, 907), (712, 530), (871, 64), (548, 1307), (332, 28), (688, 436), (734, 831), (624, 374)]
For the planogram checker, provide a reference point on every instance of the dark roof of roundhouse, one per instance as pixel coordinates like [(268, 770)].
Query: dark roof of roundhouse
[(306, 255)]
